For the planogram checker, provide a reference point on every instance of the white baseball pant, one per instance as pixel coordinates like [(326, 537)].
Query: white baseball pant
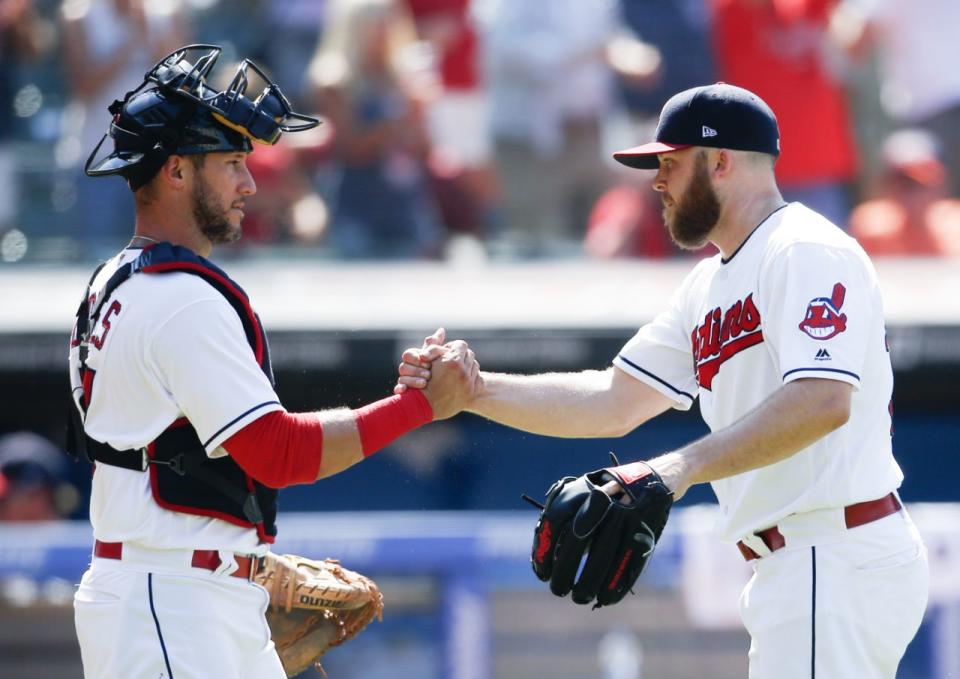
[(843, 605), (137, 622)]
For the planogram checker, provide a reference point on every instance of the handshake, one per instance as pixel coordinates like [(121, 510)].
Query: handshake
[(446, 372)]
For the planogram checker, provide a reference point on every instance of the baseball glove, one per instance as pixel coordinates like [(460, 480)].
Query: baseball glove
[(314, 606), (617, 538)]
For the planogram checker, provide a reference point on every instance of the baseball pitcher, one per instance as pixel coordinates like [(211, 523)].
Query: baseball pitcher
[(781, 338)]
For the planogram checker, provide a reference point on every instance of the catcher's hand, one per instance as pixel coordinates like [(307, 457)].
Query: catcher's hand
[(314, 605), (619, 539)]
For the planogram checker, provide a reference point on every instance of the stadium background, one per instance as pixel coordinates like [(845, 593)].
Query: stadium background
[(436, 518)]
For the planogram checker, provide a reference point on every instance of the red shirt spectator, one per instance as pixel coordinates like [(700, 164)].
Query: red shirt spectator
[(446, 24), (776, 48)]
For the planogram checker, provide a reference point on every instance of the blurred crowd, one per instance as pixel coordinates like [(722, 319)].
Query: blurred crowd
[(35, 479), (475, 129)]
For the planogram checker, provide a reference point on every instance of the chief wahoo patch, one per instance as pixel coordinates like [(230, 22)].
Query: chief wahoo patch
[(823, 319)]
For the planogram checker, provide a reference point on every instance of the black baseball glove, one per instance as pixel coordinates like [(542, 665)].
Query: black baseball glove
[(617, 538)]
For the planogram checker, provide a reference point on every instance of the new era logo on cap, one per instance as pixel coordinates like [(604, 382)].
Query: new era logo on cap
[(709, 132)]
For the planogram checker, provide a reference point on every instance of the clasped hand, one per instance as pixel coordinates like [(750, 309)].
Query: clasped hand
[(447, 372)]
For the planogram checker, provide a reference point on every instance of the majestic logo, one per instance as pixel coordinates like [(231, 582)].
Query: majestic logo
[(823, 319), (708, 132), (723, 335), (822, 355)]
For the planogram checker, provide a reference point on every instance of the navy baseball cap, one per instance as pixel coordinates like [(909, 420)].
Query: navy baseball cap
[(720, 116)]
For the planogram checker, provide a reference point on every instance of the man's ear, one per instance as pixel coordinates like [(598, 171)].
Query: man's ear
[(175, 171), (721, 162)]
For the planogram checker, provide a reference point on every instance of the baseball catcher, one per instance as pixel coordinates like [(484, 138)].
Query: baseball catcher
[(618, 536), (314, 606), (174, 400)]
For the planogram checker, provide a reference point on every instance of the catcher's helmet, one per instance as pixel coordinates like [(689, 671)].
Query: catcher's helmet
[(175, 111)]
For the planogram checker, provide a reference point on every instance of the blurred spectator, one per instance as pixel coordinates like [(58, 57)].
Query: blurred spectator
[(551, 87), (679, 31), (458, 117), (108, 46), (912, 212), (381, 206), (18, 41), (917, 50), (286, 207), (626, 222), (295, 27), (781, 49), (32, 486)]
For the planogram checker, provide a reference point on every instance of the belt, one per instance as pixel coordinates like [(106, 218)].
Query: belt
[(854, 515), (208, 559)]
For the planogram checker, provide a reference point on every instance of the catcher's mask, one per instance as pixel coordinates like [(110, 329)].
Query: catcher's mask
[(176, 112)]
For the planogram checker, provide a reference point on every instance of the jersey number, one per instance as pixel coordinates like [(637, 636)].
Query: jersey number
[(98, 341)]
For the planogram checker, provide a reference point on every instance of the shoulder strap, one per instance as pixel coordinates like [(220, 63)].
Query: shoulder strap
[(167, 258), (77, 439), (83, 315)]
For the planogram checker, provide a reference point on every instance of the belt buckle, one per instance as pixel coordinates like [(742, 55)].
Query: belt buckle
[(256, 564), (757, 545)]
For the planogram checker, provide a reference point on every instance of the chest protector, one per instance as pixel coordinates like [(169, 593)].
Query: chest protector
[(182, 477)]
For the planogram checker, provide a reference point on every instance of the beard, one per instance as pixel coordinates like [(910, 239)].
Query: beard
[(211, 218), (697, 211)]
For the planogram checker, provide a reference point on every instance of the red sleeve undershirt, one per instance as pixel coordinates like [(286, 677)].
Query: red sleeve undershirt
[(383, 421), (282, 449), (279, 449)]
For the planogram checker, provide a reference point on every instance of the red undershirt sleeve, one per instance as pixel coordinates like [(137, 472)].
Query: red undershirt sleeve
[(383, 421), (279, 449), (282, 449)]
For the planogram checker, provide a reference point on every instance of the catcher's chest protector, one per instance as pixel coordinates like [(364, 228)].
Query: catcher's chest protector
[(182, 477)]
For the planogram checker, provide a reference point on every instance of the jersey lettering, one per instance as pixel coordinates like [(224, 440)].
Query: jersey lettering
[(105, 324), (724, 335)]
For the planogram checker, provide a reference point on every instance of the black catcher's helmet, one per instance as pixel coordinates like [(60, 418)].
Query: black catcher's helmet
[(175, 111)]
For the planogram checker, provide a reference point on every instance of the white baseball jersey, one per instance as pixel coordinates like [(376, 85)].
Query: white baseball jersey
[(798, 299), (166, 346)]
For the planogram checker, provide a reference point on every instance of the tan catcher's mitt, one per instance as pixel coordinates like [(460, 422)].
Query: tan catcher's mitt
[(314, 606)]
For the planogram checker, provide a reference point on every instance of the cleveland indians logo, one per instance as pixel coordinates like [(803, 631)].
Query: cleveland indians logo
[(723, 335), (823, 319)]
